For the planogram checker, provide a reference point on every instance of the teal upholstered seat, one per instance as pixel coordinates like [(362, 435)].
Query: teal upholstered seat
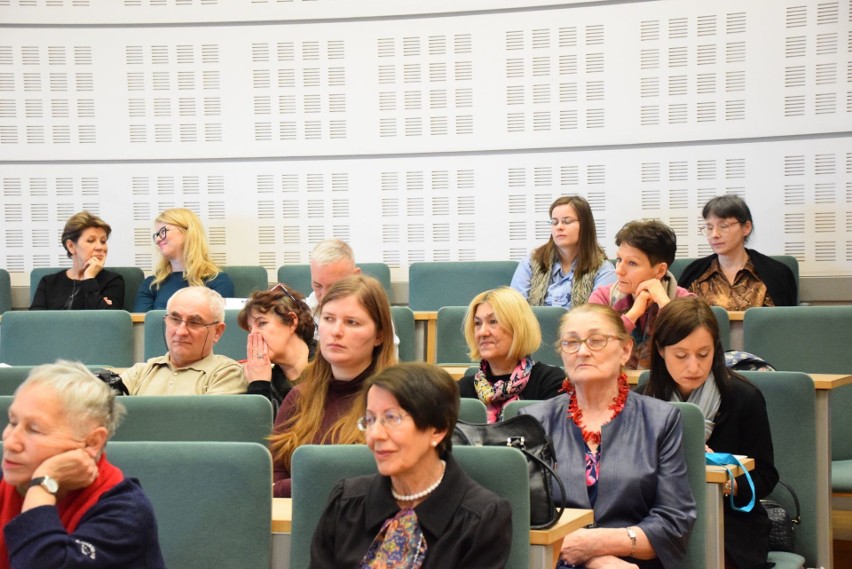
[(452, 349), (5, 291), (213, 501), (403, 327), (247, 279), (316, 469), (133, 277), (13, 376), (724, 322), (299, 276), (512, 408), (811, 339), (432, 285), (94, 337), (790, 404), (693, 448), (231, 344), (472, 410)]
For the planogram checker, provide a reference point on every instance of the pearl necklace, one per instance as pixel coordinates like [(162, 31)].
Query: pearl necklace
[(424, 493)]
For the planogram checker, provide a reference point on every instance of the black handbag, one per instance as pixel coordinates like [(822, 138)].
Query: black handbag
[(783, 526), (526, 434)]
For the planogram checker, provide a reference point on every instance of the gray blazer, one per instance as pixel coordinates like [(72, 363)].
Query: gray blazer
[(642, 471)]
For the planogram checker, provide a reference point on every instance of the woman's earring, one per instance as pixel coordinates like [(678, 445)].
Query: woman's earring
[(434, 443)]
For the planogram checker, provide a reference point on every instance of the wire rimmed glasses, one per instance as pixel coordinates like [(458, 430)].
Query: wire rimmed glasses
[(595, 342)]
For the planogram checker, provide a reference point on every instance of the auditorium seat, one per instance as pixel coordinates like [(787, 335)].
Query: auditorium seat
[(299, 276), (5, 291), (403, 326), (247, 279), (133, 277), (432, 285)]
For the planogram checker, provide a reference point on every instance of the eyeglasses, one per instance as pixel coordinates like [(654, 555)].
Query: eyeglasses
[(564, 221), (594, 342), (707, 230), (389, 420), (191, 325), (161, 234)]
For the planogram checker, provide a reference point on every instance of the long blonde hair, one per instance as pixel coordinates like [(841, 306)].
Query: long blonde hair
[(198, 268), (304, 425)]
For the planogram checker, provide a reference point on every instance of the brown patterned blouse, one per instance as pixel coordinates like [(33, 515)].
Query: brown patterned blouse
[(747, 291)]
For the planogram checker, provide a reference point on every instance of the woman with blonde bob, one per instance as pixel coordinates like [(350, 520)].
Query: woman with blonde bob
[(355, 341), (502, 332), (62, 504), (185, 261)]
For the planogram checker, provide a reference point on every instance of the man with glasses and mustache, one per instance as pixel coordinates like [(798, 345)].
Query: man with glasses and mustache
[(194, 322)]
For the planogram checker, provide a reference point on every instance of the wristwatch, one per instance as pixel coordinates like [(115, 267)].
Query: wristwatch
[(631, 533), (50, 485)]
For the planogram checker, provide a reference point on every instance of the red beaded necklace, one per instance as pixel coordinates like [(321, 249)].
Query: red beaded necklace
[(576, 415)]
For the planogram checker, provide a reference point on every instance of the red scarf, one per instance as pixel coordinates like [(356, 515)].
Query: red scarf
[(71, 508)]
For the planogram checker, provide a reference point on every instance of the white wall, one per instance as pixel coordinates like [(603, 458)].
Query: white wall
[(415, 136)]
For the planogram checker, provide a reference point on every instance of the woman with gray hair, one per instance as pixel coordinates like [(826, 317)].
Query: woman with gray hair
[(62, 504)]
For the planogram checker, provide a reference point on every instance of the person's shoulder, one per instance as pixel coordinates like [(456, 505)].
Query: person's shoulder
[(546, 370), (601, 294), (130, 496), (547, 408), (650, 405), (357, 487), (222, 361)]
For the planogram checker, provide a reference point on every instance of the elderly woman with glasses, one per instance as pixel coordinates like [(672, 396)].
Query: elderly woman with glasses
[(62, 504), (280, 342), (618, 453), (421, 510), (734, 277), (184, 261)]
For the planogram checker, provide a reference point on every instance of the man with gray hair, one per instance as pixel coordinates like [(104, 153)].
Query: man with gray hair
[(194, 322)]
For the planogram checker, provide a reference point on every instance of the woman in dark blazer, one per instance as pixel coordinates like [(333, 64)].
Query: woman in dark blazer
[(688, 364)]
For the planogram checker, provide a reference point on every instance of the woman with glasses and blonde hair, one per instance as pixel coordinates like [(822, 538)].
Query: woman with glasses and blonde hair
[(280, 342), (355, 341), (502, 331), (421, 510), (185, 261), (734, 277), (565, 270), (618, 453), (86, 284)]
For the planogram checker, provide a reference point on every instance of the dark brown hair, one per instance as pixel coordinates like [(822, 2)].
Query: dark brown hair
[(652, 237), (285, 304)]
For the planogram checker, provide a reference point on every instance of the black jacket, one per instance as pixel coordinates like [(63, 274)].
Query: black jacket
[(545, 382)]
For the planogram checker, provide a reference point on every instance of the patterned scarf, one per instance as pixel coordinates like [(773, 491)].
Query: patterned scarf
[(399, 544), (71, 507), (498, 394), (581, 287)]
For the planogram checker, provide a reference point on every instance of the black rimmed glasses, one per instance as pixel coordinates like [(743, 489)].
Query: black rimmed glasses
[(161, 234), (192, 324), (595, 342), (707, 230), (389, 420)]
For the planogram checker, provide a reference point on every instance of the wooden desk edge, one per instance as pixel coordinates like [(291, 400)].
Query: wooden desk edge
[(572, 519), (425, 314), (282, 515), (718, 474), (830, 380)]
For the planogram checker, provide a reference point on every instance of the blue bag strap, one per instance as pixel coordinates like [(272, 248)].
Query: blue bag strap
[(724, 459)]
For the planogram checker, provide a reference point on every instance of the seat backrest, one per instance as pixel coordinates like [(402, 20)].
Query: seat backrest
[(299, 276), (215, 418), (811, 339), (317, 468), (511, 409), (133, 277), (793, 264), (791, 406), (5, 291), (247, 279), (548, 318), (94, 337), (451, 347), (232, 343), (13, 376), (472, 410), (692, 422), (432, 285), (403, 327), (679, 265), (212, 500), (724, 322)]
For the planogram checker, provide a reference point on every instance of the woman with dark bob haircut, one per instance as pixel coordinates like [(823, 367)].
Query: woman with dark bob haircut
[(86, 284), (734, 277), (688, 364), (565, 270), (280, 342), (421, 510)]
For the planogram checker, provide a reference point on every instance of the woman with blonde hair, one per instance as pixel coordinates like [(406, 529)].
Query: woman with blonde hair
[(502, 331), (185, 261), (355, 342), (86, 284), (565, 270)]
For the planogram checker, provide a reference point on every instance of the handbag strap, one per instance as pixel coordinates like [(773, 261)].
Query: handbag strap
[(798, 518), (725, 459), (550, 472)]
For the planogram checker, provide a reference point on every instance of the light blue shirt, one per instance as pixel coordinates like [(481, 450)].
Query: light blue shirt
[(561, 284)]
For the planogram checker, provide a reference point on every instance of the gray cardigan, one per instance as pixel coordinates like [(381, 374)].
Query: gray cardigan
[(642, 479)]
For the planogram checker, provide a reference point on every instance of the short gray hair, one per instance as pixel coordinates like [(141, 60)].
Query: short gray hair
[(83, 396), (332, 251), (214, 300)]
